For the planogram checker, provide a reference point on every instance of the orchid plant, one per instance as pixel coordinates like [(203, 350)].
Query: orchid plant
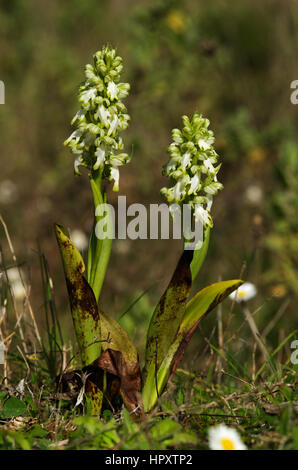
[(110, 364)]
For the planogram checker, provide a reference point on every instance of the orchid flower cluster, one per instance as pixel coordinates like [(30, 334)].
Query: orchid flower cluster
[(192, 168), (101, 118)]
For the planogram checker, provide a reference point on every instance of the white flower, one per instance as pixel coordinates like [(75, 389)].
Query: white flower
[(254, 194), (185, 160), (112, 90), (175, 209), (223, 438), (171, 165), (208, 165), (178, 191), (79, 239), (74, 137), (205, 144), (245, 292), (100, 158), (113, 125), (88, 95), (8, 191), (115, 177), (16, 283), (194, 184), (78, 161), (78, 116), (202, 214), (13, 275), (103, 114), (18, 290), (210, 202)]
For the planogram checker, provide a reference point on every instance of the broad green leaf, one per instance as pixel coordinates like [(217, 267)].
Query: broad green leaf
[(84, 312), (201, 304), (119, 356), (200, 255), (205, 300), (115, 337), (82, 301), (168, 314), (13, 407)]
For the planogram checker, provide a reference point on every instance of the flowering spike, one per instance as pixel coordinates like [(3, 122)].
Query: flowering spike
[(101, 117), (192, 167)]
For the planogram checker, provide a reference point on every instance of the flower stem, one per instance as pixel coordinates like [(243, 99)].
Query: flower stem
[(99, 249)]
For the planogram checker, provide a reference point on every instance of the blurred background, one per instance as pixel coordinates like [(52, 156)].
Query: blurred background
[(231, 61)]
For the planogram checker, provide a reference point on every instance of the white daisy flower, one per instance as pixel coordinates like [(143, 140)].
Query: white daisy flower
[(222, 437), (254, 194), (244, 293), (112, 90), (79, 239)]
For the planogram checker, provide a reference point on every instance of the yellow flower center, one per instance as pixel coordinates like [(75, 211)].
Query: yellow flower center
[(227, 444), (241, 294), (176, 21)]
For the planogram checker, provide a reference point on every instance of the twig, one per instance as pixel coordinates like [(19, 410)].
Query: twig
[(220, 342), (23, 283), (229, 318), (275, 319), (256, 334)]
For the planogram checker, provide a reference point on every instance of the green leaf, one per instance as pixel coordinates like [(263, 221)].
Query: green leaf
[(84, 312), (200, 255), (295, 437), (201, 304), (13, 407), (82, 301), (168, 433), (119, 356), (168, 314)]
